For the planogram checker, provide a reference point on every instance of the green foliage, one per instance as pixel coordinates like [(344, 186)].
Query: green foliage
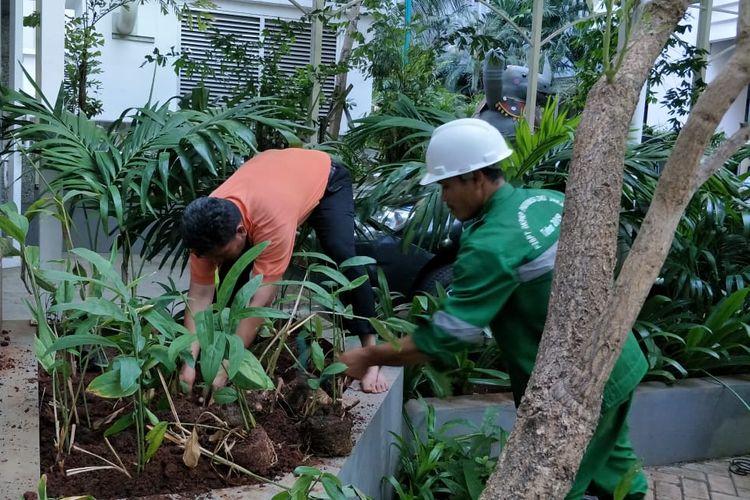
[(395, 183), (250, 70), (680, 342), (215, 329), (94, 307), (82, 52), (83, 45), (678, 99), (143, 174), (383, 59), (532, 149), (589, 48), (309, 482), (318, 349), (468, 36), (708, 260), (441, 464)]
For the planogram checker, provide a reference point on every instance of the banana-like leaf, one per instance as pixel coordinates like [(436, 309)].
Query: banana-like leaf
[(318, 357), (251, 375), (98, 307), (230, 280), (154, 438), (13, 223), (77, 340), (107, 385), (180, 345)]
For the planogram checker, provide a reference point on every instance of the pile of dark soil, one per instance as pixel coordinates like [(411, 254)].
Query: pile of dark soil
[(277, 445)]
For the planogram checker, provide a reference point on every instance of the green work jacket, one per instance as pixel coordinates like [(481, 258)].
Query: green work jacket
[(502, 279)]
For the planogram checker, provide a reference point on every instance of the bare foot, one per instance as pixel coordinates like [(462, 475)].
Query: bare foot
[(373, 381)]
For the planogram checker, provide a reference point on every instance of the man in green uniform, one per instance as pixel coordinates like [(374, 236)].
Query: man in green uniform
[(502, 279)]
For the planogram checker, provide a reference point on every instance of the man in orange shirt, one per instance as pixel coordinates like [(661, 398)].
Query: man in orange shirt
[(266, 199)]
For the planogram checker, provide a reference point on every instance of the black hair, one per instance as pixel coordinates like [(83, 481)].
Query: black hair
[(209, 223), (493, 173)]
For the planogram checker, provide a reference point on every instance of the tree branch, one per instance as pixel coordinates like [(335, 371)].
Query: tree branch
[(710, 165), (677, 185)]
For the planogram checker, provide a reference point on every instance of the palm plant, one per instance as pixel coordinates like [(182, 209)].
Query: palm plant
[(539, 159), (439, 464), (680, 342), (469, 33), (145, 167)]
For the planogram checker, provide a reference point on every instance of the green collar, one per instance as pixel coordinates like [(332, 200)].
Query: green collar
[(497, 199)]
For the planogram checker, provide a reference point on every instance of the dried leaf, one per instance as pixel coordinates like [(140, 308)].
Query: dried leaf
[(192, 450), (216, 437), (109, 418)]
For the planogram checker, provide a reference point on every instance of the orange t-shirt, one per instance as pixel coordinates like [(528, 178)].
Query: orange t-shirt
[(275, 192)]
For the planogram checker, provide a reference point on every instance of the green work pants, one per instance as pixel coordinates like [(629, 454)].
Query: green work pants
[(608, 459)]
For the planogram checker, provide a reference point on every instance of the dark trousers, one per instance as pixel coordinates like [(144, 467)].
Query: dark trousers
[(333, 221)]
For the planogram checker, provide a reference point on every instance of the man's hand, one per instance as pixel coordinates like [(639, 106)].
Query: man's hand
[(357, 362), (220, 380), (187, 378)]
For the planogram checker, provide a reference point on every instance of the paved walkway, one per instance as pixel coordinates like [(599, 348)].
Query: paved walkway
[(697, 481)]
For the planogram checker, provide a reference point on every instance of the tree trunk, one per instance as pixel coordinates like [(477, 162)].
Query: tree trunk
[(590, 314), (340, 90)]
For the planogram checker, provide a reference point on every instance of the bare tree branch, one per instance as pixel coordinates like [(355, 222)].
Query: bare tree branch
[(710, 165)]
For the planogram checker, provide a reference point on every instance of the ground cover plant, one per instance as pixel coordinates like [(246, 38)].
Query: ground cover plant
[(443, 464)]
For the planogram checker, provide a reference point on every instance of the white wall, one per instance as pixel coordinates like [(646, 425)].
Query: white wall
[(723, 25), (735, 115), (124, 82)]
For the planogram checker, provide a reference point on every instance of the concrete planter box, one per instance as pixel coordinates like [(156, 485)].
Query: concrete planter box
[(691, 420), (373, 456)]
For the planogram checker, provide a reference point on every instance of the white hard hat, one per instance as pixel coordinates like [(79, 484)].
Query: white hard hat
[(462, 146)]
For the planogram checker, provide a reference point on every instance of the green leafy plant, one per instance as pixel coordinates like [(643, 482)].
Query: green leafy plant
[(442, 464), (109, 314), (143, 174), (310, 480), (325, 311), (215, 332), (679, 341), (83, 44), (42, 491)]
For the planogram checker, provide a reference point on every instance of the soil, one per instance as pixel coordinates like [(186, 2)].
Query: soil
[(276, 446), (6, 362), (329, 435)]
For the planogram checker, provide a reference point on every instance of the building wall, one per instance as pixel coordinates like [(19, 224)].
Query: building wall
[(125, 83), (735, 115)]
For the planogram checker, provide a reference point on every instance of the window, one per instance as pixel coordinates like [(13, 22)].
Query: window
[(222, 75)]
